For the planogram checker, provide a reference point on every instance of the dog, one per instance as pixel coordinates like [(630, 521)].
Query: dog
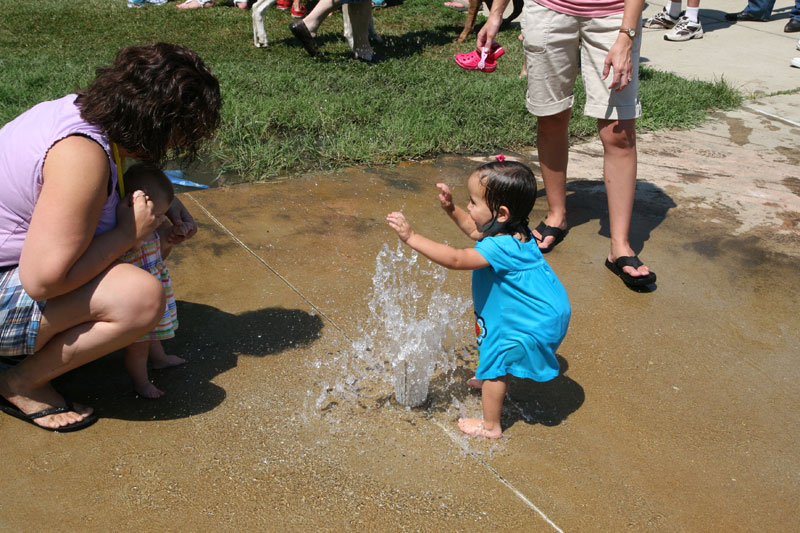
[(474, 6)]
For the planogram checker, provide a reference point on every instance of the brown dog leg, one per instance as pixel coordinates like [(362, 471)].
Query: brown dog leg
[(469, 25)]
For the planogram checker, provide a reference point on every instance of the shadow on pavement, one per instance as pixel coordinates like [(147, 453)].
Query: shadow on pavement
[(212, 341), (548, 403), (587, 201)]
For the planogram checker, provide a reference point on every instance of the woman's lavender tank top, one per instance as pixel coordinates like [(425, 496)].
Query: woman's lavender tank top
[(24, 143)]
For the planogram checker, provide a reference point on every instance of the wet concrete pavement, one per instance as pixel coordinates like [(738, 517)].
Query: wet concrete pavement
[(676, 409)]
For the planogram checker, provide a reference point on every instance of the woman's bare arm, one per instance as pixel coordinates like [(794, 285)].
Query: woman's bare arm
[(60, 252)]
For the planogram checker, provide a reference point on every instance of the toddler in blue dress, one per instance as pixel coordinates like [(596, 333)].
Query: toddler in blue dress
[(521, 308)]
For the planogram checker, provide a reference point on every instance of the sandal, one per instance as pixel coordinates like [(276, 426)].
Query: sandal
[(550, 231), (483, 61), (631, 261), (11, 409), (300, 13)]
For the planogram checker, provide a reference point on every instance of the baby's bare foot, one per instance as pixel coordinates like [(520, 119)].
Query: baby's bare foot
[(474, 427), (166, 361), (475, 383), (148, 390)]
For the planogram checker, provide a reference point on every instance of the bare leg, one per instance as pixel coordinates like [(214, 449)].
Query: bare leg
[(317, 15), (136, 366), (619, 172), (493, 393), (79, 327), (160, 359), (553, 147)]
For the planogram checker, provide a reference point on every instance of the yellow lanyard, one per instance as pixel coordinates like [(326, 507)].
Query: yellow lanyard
[(119, 161)]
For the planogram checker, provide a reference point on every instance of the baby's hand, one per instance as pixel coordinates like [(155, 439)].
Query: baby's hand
[(399, 223), (445, 198)]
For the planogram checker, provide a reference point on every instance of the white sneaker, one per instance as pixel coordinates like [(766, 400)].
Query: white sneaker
[(662, 21), (796, 62), (684, 30)]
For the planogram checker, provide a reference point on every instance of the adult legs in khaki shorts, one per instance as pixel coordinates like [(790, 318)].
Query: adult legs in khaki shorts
[(553, 44)]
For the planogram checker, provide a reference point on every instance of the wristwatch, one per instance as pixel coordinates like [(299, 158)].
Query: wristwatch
[(630, 32)]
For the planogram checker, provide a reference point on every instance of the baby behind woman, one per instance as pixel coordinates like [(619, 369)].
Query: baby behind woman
[(147, 179)]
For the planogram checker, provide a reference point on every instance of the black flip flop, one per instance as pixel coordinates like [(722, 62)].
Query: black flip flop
[(10, 409), (631, 261), (304, 36), (550, 231)]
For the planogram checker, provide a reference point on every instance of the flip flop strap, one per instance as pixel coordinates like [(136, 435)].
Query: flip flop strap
[(52, 410), (548, 231), (628, 261)]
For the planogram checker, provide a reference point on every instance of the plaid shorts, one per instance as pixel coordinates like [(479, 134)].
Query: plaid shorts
[(19, 315)]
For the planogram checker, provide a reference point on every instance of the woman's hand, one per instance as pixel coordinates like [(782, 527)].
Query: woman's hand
[(399, 223), (620, 59), (445, 198), (136, 216), (183, 224), (492, 26)]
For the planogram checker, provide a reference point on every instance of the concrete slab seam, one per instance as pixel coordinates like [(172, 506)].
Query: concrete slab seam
[(776, 117), (500, 478), (263, 262)]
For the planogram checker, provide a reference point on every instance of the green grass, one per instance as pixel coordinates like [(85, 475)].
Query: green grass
[(286, 113)]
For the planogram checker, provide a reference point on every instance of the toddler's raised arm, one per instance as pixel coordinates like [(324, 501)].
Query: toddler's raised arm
[(458, 215), (447, 256)]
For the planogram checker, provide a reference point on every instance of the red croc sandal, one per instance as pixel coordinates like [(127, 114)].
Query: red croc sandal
[(483, 61)]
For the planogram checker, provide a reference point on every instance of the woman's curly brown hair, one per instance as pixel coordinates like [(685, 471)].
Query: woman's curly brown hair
[(153, 98)]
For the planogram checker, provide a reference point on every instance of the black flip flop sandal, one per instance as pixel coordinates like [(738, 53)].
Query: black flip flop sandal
[(11, 409), (550, 231), (631, 261)]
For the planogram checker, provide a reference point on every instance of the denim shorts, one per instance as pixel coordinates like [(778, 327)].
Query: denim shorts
[(20, 315)]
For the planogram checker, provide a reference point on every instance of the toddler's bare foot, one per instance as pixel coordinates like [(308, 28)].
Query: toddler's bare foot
[(474, 427), (158, 358), (475, 383), (148, 390), (166, 361)]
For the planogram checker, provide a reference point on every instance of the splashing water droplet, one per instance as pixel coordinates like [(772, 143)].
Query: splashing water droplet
[(401, 343)]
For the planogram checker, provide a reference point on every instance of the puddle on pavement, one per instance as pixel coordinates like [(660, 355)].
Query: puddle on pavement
[(737, 131)]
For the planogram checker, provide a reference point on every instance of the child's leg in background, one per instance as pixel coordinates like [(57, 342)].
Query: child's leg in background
[(160, 359), (136, 366), (493, 392)]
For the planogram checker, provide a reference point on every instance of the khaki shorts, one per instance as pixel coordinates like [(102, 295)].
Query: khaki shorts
[(557, 45)]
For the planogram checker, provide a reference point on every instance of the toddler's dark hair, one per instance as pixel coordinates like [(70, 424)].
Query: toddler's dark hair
[(512, 184), (150, 179)]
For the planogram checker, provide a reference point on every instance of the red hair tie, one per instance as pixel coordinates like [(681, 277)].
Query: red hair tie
[(500, 157)]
